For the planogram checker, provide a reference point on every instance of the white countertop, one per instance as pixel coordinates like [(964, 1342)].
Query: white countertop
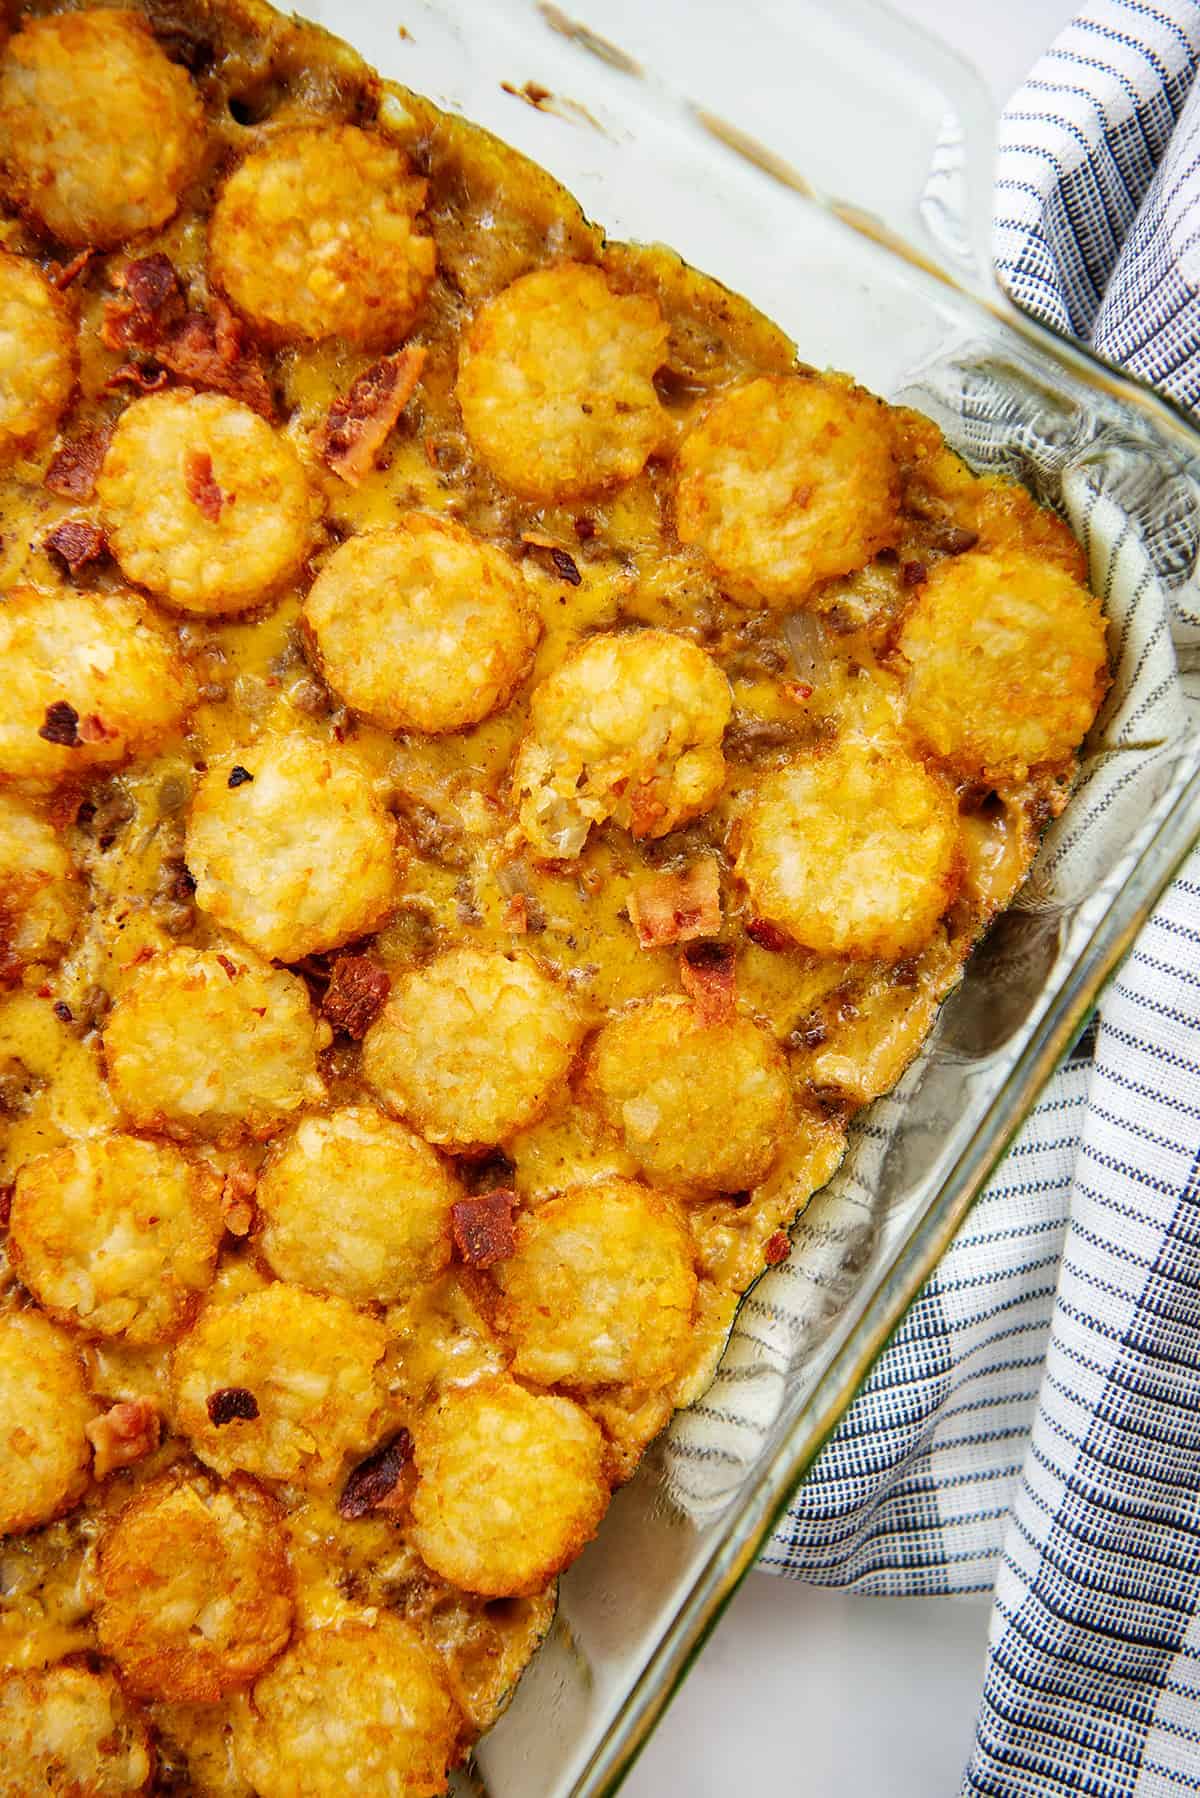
[(818, 1694)]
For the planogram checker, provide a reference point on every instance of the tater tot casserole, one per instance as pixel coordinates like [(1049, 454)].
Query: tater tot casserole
[(499, 762)]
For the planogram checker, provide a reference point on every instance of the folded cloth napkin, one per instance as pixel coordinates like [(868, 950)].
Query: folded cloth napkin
[(1035, 1424)]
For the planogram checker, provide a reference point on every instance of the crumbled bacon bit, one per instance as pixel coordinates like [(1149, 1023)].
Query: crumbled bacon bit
[(798, 691), (61, 725), (202, 488), (676, 908), (216, 353), (76, 542), (516, 914), (776, 1249), (483, 1227), (585, 529), (152, 283), (6, 1199), (357, 992), (62, 1011), (708, 977), (360, 421), (203, 349), (228, 1403), (384, 1481), (238, 776), (912, 573), (768, 936), (73, 469), (67, 272), (125, 1433), (229, 967)]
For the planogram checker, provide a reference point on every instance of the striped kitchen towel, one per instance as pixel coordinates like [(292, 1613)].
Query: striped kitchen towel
[(1035, 1425)]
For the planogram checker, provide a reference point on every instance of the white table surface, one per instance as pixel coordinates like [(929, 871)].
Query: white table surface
[(817, 1694)]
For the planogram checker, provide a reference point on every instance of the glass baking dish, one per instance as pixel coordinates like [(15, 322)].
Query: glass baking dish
[(833, 164)]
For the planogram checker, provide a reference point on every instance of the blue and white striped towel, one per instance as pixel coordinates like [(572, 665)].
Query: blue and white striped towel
[(1036, 1424)]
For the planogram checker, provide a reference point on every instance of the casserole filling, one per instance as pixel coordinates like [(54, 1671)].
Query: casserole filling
[(500, 761)]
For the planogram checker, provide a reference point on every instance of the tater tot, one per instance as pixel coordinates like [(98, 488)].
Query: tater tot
[(422, 626), (556, 383), (358, 1706), (472, 1047), (355, 1204), (700, 1105), (785, 483), (88, 682), (194, 1588), (40, 893), (67, 1730), (204, 1042), (297, 858), (628, 728), (44, 1453), (204, 504), (117, 1237), (510, 1487), (315, 235), (852, 851), (601, 1288), (98, 130), (279, 1383), (1008, 662), (37, 355)]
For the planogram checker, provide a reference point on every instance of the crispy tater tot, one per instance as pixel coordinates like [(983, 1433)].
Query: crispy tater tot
[(280, 1383), (629, 728), (601, 1288), (98, 130), (37, 355), (355, 1204), (70, 1731), (88, 682), (555, 382), (204, 1042), (1008, 662), (204, 504), (315, 235), (422, 626), (194, 1588), (510, 1486), (297, 858), (116, 1236), (44, 1453), (700, 1104), (40, 893), (852, 851), (472, 1047), (357, 1706), (785, 483)]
